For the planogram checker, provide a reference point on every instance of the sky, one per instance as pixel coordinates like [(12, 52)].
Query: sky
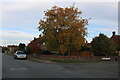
[(20, 19)]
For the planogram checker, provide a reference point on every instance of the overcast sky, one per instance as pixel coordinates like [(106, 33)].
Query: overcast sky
[(20, 19)]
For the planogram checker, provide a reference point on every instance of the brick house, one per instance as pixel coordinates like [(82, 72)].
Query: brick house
[(36, 45), (116, 39)]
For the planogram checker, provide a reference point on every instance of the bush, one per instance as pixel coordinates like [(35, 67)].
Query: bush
[(103, 46)]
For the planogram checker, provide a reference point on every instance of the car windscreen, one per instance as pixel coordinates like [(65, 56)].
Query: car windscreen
[(20, 53)]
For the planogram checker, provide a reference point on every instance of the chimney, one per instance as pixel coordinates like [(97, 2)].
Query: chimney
[(113, 33), (35, 38)]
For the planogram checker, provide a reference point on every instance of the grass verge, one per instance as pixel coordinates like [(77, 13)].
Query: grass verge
[(8, 54), (74, 61), (34, 60)]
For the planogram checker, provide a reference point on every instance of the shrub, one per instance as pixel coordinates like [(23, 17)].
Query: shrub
[(103, 46)]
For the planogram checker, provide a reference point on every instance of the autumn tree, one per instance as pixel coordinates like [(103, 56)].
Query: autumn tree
[(63, 29), (103, 46)]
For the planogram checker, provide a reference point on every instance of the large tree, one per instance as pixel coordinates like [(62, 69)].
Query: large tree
[(63, 29), (103, 46)]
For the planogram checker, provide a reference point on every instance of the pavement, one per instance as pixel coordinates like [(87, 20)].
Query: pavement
[(15, 68)]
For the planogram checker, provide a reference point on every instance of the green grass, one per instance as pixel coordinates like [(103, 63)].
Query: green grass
[(74, 61), (34, 60), (8, 54)]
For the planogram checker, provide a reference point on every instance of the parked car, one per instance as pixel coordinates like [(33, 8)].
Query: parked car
[(46, 52), (54, 52), (20, 55)]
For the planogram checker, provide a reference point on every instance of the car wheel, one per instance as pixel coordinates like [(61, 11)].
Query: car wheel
[(26, 58), (15, 57)]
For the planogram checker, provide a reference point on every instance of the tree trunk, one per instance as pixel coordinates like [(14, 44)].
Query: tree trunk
[(69, 53)]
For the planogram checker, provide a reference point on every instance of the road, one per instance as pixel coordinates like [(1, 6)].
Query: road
[(29, 69)]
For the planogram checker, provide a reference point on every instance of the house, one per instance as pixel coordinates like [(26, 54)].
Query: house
[(36, 45), (3, 49), (116, 39), (12, 48)]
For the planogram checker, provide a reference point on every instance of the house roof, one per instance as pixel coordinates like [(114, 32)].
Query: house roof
[(37, 40), (11, 46), (116, 38)]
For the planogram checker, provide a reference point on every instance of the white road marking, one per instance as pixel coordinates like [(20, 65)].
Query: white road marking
[(17, 69)]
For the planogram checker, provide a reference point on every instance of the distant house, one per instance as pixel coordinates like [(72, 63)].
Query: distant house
[(36, 45), (3, 49), (12, 48), (116, 39)]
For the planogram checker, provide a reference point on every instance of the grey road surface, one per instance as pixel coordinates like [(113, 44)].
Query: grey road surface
[(27, 69)]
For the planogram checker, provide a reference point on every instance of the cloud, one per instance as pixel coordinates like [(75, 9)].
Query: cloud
[(104, 30), (15, 37), (101, 13), (18, 14), (23, 6), (89, 40)]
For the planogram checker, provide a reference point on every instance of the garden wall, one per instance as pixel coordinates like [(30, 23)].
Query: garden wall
[(59, 57), (83, 53)]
